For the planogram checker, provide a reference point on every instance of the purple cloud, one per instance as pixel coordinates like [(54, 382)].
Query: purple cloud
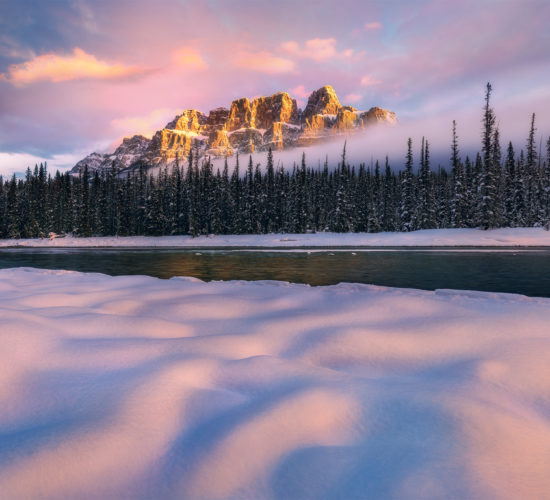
[(426, 63)]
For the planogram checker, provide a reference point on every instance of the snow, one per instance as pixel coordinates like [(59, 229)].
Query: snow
[(136, 387), (187, 133), (247, 129), (425, 238)]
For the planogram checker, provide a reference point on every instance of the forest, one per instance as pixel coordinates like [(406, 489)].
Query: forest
[(499, 187)]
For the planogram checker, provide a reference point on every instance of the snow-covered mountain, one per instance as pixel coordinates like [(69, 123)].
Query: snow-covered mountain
[(247, 126), (129, 152)]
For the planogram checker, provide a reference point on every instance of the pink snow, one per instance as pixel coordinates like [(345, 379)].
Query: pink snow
[(532, 236), (136, 387)]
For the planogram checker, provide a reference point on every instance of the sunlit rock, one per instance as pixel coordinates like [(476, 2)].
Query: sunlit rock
[(248, 125)]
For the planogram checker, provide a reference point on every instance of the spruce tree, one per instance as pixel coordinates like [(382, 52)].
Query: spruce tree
[(489, 189), (510, 186), (531, 173), (13, 229), (389, 201), (84, 228), (458, 204), (268, 216), (427, 216), (407, 215)]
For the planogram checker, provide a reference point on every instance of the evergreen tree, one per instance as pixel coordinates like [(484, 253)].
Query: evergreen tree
[(389, 199), (531, 174), (407, 192), (459, 212), (268, 222), (489, 188), (84, 227), (427, 216), (509, 195), (13, 221)]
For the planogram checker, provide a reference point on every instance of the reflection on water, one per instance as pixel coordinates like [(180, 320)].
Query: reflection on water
[(514, 271)]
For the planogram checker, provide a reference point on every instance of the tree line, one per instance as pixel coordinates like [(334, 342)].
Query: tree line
[(492, 189)]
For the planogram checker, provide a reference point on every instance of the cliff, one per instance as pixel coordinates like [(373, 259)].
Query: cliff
[(247, 126)]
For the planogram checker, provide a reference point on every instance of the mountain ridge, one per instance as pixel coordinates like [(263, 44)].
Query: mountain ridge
[(246, 126)]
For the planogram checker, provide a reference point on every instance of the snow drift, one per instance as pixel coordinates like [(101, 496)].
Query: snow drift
[(135, 387)]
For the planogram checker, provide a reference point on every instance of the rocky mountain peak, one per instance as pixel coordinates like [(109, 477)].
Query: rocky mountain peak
[(378, 115), (322, 102), (190, 120), (248, 125), (240, 115), (136, 141)]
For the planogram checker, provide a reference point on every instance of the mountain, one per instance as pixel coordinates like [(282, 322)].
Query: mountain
[(247, 126)]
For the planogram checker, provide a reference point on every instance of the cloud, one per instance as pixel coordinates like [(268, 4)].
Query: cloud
[(368, 81), (263, 62), (300, 91), (87, 17), (318, 49), (55, 68), (145, 125), (301, 94), (372, 26), (11, 48), (189, 58), (352, 97), (291, 47), (17, 163)]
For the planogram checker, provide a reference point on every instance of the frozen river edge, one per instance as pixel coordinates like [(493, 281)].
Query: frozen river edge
[(505, 237)]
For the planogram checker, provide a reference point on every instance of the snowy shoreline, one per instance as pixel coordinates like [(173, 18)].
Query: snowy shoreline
[(137, 387), (506, 237)]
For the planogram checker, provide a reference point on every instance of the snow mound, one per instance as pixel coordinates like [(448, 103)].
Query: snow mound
[(135, 387)]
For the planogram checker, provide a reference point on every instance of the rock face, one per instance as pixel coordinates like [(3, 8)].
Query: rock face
[(130, 151), (322, 102), (247, 126), (218, 144), (189, 121), (346, 119), (377, 115)]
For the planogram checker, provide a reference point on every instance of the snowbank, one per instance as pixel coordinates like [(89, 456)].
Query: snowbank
[(531, 236), (135, 387)]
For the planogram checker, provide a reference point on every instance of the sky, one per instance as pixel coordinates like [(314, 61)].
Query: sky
[(77, 76)]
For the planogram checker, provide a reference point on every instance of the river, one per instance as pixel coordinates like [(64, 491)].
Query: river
[(524, 271)]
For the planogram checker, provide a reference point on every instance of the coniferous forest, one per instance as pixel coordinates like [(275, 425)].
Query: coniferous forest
[(499, 187)]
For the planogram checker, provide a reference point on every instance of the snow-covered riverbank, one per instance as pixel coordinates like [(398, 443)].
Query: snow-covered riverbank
[(135, 387), (428, 237)]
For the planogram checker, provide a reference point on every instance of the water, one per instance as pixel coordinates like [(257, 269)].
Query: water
[(515, 271)]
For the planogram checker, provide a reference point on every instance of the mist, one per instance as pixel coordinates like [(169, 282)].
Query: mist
[(377, 142)]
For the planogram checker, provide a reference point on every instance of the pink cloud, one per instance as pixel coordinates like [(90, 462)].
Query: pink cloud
[(300, 91), (55, 68), (238, 45), (373, 26), (291, 47), (145, 125), (263, 62), (318, 49), (368, 81), (352, 97), (188, 58), (300, 94)]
